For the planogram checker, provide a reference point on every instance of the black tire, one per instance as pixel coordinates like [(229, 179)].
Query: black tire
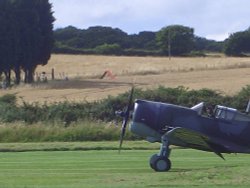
[(162, 164), (152, 161)]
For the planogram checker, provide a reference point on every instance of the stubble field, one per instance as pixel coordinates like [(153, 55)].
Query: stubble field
[(83, 72)]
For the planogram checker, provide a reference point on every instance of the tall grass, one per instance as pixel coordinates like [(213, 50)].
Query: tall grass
[(86, 121), (85, 131)]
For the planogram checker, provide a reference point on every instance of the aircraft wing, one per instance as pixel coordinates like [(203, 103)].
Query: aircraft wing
[(192, 139)]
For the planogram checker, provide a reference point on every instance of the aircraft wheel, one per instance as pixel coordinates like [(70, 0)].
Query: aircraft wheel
[(152, 161), (162, 164)]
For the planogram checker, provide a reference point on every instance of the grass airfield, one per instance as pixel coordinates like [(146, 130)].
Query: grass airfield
[(107, 168)]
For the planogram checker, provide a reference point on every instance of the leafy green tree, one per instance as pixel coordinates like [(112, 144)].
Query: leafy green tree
[(176, 39), (203, 44), (67, 33), (108, 49), (95, 36), (237, 43), (144, 40), (91, 37)]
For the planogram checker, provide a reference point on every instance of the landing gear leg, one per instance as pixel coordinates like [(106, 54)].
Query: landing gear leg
[(160, 162)]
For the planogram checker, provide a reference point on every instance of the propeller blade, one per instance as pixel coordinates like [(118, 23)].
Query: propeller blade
[(123, 131), (126, 117)]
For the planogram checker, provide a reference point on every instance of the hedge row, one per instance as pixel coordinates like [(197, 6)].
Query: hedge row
[(107, 49), (104, 110)]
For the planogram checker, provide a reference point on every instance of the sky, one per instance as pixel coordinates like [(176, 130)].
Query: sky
[(212, 19)]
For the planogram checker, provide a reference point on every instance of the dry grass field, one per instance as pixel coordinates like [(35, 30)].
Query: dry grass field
[(227, 75)]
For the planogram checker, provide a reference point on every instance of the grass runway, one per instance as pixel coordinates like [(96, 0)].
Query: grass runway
[(107, 168)]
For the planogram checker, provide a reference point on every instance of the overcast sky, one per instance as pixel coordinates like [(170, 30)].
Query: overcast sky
[(213, 19)]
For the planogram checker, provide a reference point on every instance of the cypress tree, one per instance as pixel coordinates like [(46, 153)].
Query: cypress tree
[(36, 30), (26, 36)]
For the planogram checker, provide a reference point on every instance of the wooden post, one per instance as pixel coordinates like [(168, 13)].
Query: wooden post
[(53, 74)]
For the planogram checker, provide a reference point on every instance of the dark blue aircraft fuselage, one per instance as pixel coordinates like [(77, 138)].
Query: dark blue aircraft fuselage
[(227, 127)]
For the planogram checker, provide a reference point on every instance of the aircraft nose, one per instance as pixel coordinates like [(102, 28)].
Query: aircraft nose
[(144, 130)]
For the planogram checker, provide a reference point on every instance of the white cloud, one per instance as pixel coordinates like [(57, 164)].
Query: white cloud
[(209, 18)]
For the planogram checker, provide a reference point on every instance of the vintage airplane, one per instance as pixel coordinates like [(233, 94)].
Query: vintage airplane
[(226, 130)]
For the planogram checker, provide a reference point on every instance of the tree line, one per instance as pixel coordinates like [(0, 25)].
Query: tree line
[(174, 40), (26, 37), (238, 44), (107, 40)]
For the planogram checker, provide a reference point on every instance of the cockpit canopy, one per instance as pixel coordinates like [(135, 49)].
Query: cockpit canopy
[(230, 114), (222, 112)]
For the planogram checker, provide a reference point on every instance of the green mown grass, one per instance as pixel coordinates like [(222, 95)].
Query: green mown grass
[(76, 146), (107, 168)]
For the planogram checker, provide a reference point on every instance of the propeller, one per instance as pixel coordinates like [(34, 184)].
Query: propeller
[(125, 115)]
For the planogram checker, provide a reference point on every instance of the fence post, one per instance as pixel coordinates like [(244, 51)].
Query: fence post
[(52, 74)]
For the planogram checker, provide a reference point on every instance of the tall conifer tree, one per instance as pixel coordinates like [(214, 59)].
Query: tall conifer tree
[(26, 36)]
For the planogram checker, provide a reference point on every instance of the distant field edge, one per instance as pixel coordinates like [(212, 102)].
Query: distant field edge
[(76, 146)]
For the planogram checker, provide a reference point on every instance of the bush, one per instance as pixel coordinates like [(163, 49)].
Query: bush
[(196, 54), (240, 100), (8, 99), (108, 49), (142, 52), (88, 121), (104, 110)]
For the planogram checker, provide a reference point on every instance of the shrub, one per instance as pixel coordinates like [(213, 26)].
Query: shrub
[(108, 49), (87, 121), (240, 100), (196, 54), (104, 110), (8, 99)]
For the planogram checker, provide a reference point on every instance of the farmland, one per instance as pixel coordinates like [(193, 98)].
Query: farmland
[(225, 74), (107, 168), (98, 164)]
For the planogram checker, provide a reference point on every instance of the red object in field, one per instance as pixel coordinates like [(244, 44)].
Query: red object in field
[(109, 74)]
